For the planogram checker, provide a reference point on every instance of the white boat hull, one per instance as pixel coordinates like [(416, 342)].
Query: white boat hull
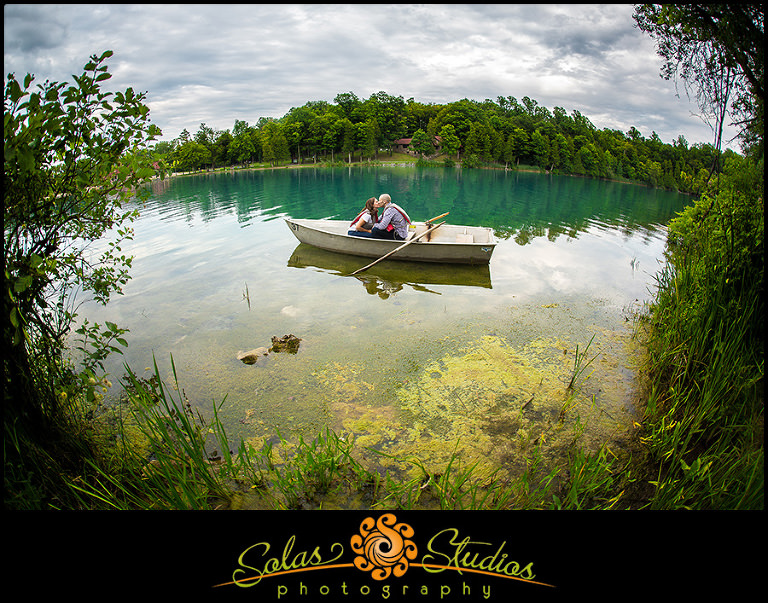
[(450, 244)]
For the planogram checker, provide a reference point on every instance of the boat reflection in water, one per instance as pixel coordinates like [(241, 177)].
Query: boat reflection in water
[(389, 277)]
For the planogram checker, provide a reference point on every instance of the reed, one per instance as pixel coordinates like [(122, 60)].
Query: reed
[(185, 462), (590, 481), (450, 488), (165, 463), (465, 487), (579, 364), (316, 468), (703, 427)]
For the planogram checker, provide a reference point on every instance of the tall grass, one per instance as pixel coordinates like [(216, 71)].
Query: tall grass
[(163, 456), (703, 426), (704, 421), (579, 364), (310, 473)]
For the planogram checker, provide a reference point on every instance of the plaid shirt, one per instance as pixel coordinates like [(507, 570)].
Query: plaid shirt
[(396, 217)]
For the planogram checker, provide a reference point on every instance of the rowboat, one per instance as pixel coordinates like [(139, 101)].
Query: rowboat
[(450, 243)]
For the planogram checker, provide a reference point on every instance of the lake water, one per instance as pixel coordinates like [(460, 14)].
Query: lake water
[(409, 358)]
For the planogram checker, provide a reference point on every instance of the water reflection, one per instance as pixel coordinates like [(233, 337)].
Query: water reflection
[(520, 206), (389, 277)]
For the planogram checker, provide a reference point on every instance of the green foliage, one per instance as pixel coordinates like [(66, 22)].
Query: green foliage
[(73, 154), (579, 366), (510, 131), (704, 421), (450, 143), (717, 51), (422, 143)]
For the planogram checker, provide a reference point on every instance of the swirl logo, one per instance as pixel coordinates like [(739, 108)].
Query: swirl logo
[(383, 547)]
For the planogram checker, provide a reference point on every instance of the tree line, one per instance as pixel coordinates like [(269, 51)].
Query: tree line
[(504, 132)]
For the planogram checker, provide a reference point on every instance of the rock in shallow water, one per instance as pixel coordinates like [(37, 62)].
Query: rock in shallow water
[(286, 343), (252, 356)]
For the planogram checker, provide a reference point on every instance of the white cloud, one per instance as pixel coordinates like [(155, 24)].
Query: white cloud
[(218, 63)]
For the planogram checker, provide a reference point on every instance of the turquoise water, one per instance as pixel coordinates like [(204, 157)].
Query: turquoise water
[(386, 354)]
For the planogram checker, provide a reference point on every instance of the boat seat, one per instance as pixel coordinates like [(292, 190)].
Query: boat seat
[(465, 238)]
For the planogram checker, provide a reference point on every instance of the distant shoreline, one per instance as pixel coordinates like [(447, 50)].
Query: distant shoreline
[(398, 162), (401, 161)]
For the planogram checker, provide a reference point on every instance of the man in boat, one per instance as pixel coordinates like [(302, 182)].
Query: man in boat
[(393, 223)]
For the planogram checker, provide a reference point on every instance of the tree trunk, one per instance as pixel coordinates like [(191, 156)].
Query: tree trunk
[(22, 412)]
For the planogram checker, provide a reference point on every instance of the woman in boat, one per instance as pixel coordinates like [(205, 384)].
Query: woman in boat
[(361, 226), (394, 221)]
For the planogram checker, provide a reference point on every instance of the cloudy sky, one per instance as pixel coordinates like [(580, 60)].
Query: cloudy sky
[(219, 63)]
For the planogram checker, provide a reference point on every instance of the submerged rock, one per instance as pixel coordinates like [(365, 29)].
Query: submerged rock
[(252, 356), (286, 343)]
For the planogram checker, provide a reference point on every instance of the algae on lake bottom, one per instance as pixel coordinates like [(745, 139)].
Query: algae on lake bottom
[(487, 405)]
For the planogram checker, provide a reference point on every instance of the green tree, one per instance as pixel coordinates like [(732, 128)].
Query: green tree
[(508, 155), (422, 144), (296, 126), (73, 156), (388, 112), (275, 144), (519, 144), (460, 115), (192, 156), (241, 149), (418, 115), (479, 142), (717, 50), (322, 134), (368, 135), (449, 141), (221, 147), (346, 134), (349, 104), (206, 136), (560, 157), (541, 149)]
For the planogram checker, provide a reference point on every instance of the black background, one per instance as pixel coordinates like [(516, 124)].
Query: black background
[(622, 555)]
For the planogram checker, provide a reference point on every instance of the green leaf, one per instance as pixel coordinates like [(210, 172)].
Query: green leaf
[(14, 92), (22, 284)]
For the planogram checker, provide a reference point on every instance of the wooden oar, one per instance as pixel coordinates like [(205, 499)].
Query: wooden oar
[(436, 218), (385, 256)]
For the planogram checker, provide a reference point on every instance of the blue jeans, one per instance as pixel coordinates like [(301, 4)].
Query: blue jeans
[(358, 233)]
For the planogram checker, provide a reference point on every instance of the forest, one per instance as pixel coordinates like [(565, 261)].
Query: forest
[(505, 132)]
